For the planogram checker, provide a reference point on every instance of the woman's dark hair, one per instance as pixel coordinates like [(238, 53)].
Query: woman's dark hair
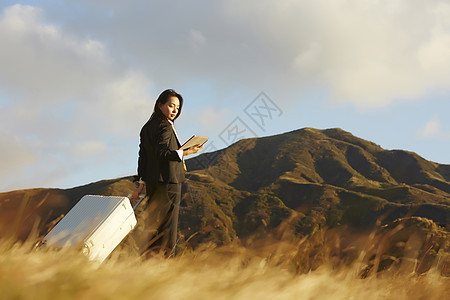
[(162, 99)]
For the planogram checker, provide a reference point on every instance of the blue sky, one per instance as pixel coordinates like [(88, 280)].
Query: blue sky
[(78, 79)]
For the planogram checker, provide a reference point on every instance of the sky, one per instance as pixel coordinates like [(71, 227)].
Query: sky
[(78, 79)]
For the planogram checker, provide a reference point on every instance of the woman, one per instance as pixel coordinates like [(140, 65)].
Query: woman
[(161, 171)]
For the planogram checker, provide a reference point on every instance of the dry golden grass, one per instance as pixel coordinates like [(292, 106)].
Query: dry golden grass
[(276, 271)]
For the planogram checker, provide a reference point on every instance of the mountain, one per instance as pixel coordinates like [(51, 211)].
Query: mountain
[(309, 179), (282, 186)]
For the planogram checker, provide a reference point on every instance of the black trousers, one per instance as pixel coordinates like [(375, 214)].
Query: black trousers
[(157, 228)]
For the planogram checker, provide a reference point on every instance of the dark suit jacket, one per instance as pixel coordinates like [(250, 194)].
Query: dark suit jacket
[(158, 160)]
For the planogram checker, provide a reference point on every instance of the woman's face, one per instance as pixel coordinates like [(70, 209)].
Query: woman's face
[(170, 108)]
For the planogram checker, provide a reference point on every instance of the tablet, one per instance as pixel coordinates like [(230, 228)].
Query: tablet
[(194, 141)]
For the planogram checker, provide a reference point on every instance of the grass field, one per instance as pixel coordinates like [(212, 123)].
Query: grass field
[(276, 272)]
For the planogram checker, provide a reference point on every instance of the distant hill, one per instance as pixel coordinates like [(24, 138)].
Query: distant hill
[(284, 185), (22, 211)]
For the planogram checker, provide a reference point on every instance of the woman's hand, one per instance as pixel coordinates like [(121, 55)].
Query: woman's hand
[(136, 193), (192, 150)]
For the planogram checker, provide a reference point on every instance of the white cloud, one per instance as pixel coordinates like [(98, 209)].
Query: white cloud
[(68, 96), (211, 117), (89, 149), (197, 40), (433, 130), (309, 58), (120, 106), (15, 153), (41, 63), (434, 54), (370, 53)]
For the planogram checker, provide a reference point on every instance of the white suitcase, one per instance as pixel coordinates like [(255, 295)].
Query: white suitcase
[(96, 223)]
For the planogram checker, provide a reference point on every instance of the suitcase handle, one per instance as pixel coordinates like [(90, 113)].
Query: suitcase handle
[(142, 198), (139, 202)]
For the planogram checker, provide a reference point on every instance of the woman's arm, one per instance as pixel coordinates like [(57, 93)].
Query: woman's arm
[(165, 132), (142, 157)]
